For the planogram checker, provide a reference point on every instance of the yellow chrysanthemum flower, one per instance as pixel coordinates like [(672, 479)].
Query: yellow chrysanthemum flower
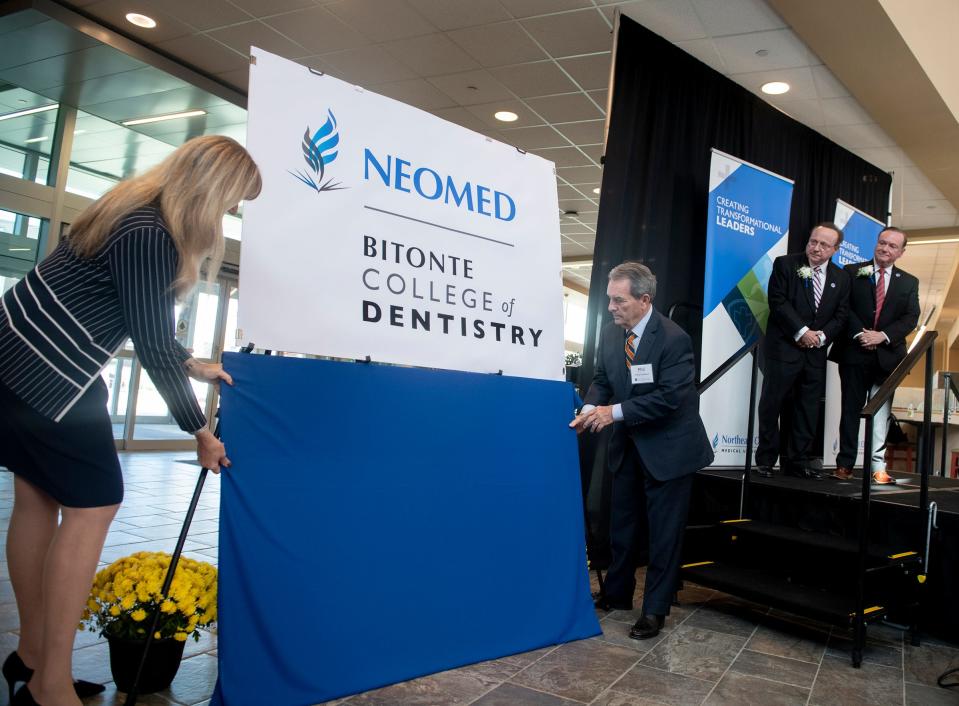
[(139, 615), (115, 610), (180, 637)]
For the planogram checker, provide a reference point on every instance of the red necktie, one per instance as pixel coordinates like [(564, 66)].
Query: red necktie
[(629, 349), (880, 295)]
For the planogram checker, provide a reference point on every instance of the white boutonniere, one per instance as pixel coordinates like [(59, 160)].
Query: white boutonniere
[(864, 271), (804, 272)]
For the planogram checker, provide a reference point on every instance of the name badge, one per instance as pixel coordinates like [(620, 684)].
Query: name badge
[(641, 373)]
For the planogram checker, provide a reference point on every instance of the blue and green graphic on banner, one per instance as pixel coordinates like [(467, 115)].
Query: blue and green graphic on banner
[(747, 228), (747, 217), (860, 233)]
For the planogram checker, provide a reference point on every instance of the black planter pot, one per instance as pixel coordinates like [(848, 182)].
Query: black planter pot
[(161, 666)]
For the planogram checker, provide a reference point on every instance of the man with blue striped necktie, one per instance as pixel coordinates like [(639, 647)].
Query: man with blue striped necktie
[(808, 306)]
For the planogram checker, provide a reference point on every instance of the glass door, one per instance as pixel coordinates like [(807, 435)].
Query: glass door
[(142, 420)]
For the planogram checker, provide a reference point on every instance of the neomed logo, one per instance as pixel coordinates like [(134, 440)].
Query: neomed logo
[(319, 150)]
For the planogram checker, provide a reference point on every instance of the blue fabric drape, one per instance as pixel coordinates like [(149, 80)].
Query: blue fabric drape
[(380, 523)]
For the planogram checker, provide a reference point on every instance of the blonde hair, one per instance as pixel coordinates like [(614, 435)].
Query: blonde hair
[(193, 189)]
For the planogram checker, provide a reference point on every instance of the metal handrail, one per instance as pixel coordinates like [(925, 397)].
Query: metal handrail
[(727, 366), (888, 388), (883, 395)]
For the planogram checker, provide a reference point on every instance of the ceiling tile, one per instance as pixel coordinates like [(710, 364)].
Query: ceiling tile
[(532, 138), (571, 33), (567, 192), (431, 55), (886, 158), (485, 114), (784, 47), (541, 78), (827, 84), (590, 71), (580, 175), (600, 98), (237, 79), (381, 20), (736, 16), (256, 34), (565, 108), (589, 132), (705, 51), (564, 157), (317, 30), (844, 111), (202, 15), (800, 80), (935, 207), (471, 87), (856, 136), (207, 55), (113, 12), (808, 111), (258, 8), (448, 15), (366, 66), (674, 20), (462, 117), (578, 205), (528, 8), (417, 92), (594, 152), (498, 44)]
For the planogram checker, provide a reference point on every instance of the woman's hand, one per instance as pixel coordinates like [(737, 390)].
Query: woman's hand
[(207, 372), (210, 451)]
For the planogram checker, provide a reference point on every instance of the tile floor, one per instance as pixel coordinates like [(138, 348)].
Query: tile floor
[(715, 649)]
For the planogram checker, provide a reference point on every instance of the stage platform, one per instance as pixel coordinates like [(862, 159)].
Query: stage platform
[(831, 506)]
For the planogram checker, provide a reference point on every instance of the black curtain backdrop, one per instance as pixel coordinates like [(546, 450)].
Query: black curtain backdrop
[(668, 110)]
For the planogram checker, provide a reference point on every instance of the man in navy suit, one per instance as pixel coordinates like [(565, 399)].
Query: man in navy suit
[(883, 310), (644, 387), (808, 306)]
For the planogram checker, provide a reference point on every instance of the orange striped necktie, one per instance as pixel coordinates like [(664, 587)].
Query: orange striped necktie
[(629, 349)]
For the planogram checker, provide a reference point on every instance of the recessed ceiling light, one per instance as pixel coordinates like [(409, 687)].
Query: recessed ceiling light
[(29, 111), (139, 20), (161, 118), (774, 88), (931, 206), (596, 190), (79, 132), (762, 52), (507, 116), (35, 139)]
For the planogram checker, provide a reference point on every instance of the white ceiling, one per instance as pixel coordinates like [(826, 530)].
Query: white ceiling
[(546, 60)]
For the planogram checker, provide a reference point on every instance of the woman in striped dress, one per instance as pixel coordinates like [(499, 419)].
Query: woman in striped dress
[(117, 274)]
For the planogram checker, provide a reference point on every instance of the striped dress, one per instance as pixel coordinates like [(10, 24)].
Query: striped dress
[(63, 323)]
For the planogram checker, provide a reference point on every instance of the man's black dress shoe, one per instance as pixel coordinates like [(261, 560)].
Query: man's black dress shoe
[(647, 626), (800, 472), (608, 604), (764, 471)]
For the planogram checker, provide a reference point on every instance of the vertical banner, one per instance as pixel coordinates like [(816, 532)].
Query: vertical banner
[(860, 233), (747, 228), (387, 232)]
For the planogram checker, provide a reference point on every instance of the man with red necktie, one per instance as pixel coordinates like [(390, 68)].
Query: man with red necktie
[(883, 310)]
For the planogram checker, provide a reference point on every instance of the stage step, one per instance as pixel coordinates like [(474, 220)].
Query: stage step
[(763, 587), (878, 554)]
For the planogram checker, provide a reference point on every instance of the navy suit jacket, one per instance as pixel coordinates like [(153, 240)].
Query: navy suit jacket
[(898, 318), (792, 305), (661, 418)]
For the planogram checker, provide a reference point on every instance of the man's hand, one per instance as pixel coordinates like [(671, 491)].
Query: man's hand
[(869, 339), (207, 372), (210, 451), (810, 339), (594, 420)]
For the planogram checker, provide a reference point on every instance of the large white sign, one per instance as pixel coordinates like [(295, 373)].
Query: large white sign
[(384, 231)]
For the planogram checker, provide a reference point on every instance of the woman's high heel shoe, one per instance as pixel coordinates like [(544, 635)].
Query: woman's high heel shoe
[(15, 671), (23, 698)]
